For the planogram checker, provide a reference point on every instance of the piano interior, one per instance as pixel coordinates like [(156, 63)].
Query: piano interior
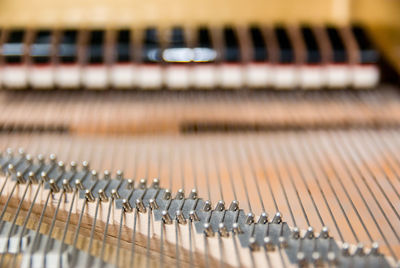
[(199, 133)]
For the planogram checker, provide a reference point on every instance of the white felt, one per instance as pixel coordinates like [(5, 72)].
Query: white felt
[(68, 76), (41, 77), (15, 77), (122, 76), (230, 76), (95, 77), (177, 77)]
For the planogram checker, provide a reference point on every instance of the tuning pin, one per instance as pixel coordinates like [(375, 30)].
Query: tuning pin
[(309, 233), (40, 158), (263, 218), (53, 158), (179, 217), (155, 184), (295, 233), (360, 250), (85, 165), (316, 257), (167, 194), (374, 249), (140, 206), (115, 194), (61, 166), (253, 245), (193, 215), (78, 184), (282, 242), (277, 218), (193, 194), (10, 169), (220, 206), (250, 218), (208, 229), (180, 194), (166, 217), (53, 186), (331, 257), (32, 177), (21, 152), (106, 175), (324, 232), (207, 206), (20, 178), (142, 183), (153, 204), (67, 188), (129, 184), (29, 158), (234, 205), (345, 249), (269, 245), (89, 196), (94, 175), (73, 166), (236, 228), (301, 258), (44, 176), (102, 195), (120, 174), (10, 152), (126, 205), (223, 231)]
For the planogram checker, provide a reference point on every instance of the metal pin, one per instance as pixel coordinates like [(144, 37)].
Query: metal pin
[(345, 249), (180, 194), (44, 176), (269, 245), (282, 242), (20, 178), (316, 257), (156, 183), (53, 158), (301, 258), (66, 186), (120, 174), (89, 196), (193, 215), (61, 165), (73, 166), (102, 195), (153, 204), (234, 205), (79, 184), (94, 175), (207, 206), (167, 194), (296, 233), (21, 152), (166, 217), (126, 205), (220, 206), (115, 194), (277, 218), (236, 228), (32, 177), (193, 194), (129, 184), (331, 257), (360, 250), (324, 233), (253, 244), (53, 186), (40, 158), (223, 231), (142, 183), (85, 165), (309, 233), (263, 218), (9, 152), (140, 206), (28, 158), (106, 175), (11, 169), (179, 217), (208, 229), (250, 218), (374, 249)]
